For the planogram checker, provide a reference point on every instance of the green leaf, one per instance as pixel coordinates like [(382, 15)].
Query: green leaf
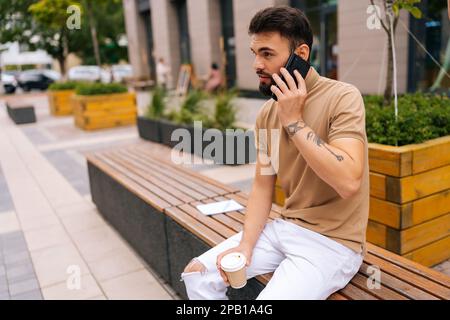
[(416, 12), (396, 9)]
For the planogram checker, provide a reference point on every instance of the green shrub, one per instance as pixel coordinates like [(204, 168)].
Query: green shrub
[(421, 117), (225, 111), (157, 106), (91, 89), (59, 86), (191, 110), (192, 101)]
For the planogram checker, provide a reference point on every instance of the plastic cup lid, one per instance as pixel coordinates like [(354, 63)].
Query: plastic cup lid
[(233, 261)]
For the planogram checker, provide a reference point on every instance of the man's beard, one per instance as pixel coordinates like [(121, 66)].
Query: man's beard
[(265, 88)]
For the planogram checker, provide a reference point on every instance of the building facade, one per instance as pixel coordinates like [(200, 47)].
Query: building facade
[(348, 43)]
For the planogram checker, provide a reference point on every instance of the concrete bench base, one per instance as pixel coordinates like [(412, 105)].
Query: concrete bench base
[(21, 114), (139, 223)]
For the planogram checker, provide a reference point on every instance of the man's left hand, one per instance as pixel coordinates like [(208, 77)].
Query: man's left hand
[(291, 98)]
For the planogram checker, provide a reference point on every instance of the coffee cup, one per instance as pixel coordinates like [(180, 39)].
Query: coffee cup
[(233, 264)]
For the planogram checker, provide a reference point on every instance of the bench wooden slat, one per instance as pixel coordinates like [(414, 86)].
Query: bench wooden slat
[(237, 215), (400, 286), (354, 293), (383, 293), (139, 180), (337, 296), (188, 186), (211, 223), (219, 187), (408, 276), (194, 226), (164, 185), (212, 185), (126, 182), (412, 266), (272, 215), (194, 181)]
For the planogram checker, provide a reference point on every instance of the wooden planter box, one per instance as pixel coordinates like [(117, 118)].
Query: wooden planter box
[(104, 111), (60, 103), (409, 199)]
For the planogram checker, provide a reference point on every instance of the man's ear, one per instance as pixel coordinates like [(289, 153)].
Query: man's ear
[(303, 51)]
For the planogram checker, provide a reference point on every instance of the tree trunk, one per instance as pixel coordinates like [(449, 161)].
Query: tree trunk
[(93, 33), (62, 66), (62, 54), (390, 64), (389, 74)]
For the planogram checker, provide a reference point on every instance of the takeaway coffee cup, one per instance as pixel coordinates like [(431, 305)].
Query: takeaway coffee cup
[(233, 264)]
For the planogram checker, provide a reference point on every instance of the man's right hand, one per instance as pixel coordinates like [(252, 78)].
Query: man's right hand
[(246, 250)]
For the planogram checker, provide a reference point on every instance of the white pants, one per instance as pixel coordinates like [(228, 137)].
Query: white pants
[(307, 265)]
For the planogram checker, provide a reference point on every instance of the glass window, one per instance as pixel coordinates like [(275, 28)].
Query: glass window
[(433, 32)]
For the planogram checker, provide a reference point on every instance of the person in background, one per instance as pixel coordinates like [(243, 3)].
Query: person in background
[(162, 74), (214, 81)]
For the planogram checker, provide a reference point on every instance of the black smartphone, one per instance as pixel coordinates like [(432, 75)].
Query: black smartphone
[(295, 63)]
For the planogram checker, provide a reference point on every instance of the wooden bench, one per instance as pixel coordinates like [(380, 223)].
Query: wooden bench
[(132, 187), (21, 113), (151, 202)]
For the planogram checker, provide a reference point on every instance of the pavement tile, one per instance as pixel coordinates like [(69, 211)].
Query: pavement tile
[(46, 237), (97, 242), (61, 291), (117, 263), (139, 285), (23, 270), (4, 296), (30, 295), (16, 288), (17, 258), (51, 264)]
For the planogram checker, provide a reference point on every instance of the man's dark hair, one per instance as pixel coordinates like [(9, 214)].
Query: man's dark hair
[(291, 23)]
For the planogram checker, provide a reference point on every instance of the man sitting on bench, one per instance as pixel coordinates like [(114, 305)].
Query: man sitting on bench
[(315, 142)]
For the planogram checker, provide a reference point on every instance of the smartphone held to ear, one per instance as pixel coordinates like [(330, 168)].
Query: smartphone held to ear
[(295, 63)]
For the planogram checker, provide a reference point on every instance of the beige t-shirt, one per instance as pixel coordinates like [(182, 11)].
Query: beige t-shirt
[(333, 110)]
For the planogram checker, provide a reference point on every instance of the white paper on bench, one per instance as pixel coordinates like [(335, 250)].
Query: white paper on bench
[(219, 207)]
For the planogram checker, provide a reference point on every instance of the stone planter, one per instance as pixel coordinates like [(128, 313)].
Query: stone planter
[(409, 199), (149, 129), (104, 111), (237, 141), (59, 102)]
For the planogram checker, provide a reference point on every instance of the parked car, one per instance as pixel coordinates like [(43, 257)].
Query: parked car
[(35, 79), (8, 83), (85, 73), (121, 72)]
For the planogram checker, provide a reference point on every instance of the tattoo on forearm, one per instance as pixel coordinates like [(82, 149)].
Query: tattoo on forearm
[(319, 142), (295, 127)]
